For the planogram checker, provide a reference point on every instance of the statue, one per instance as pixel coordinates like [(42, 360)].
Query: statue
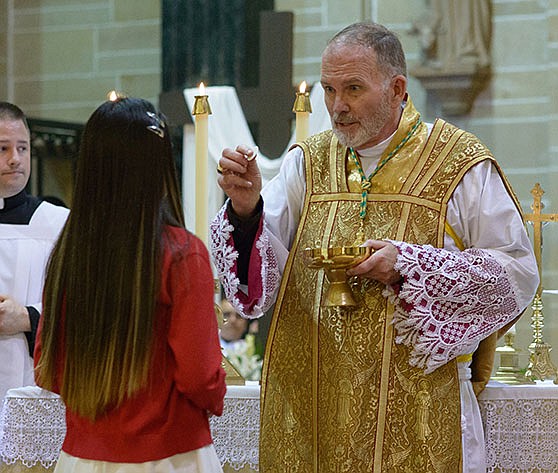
[(455, 33), (454, 38), (425, 29)]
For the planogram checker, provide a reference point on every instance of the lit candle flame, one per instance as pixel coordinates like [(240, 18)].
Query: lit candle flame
[(113, 96), (201, 89), (302, 87)]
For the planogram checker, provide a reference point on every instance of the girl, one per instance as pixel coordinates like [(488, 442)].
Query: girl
[(128, 335)]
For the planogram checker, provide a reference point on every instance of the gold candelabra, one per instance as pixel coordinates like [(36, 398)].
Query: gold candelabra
[(540, 365)]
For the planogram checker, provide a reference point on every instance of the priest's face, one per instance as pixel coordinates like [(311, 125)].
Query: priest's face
[(363, 102), (15, 157)]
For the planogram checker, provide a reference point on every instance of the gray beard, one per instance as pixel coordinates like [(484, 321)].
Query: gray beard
[(368, 129), (357, 139)]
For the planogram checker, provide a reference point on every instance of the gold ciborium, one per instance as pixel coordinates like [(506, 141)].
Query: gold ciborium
[(335, 261)]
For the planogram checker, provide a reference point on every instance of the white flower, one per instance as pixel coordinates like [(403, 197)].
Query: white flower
[(243, 357)]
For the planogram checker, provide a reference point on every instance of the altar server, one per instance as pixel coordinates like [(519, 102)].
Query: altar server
[(28, 230)]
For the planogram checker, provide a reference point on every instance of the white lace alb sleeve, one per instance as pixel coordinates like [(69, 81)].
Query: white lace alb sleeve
[(283, 197), (255, 298), (450, 300)]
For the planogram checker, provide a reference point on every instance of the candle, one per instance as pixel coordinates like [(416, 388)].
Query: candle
[(302, 107), (201, 112), (114, 96)]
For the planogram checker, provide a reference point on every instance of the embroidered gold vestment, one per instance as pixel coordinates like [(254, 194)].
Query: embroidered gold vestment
[(338, 394)]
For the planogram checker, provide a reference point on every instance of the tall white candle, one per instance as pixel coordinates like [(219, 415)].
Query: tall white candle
[(201, 112), (302, 108)]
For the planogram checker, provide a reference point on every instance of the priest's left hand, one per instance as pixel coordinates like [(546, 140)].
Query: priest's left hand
[(14, 317), (379, 266)]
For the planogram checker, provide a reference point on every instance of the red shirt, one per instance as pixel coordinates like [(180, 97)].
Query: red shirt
[(187, 382)]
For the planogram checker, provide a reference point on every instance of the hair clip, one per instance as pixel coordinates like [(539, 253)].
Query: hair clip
[(159, 127)]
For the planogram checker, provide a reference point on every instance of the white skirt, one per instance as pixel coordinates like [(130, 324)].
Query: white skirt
[(202, 460)]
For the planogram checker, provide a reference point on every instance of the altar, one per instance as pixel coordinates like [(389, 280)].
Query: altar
[(521, 429), (32, 429)]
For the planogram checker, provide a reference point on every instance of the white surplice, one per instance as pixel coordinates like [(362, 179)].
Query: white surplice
[(24, 253)]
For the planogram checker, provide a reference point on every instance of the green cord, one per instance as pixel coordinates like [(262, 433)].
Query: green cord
[(366, 182)]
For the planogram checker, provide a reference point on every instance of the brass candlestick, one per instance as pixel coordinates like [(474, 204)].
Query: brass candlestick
[(540, 365), (509, 371), (335, 261)]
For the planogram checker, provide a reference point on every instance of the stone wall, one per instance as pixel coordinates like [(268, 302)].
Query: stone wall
[(3, 49), (69, 53)]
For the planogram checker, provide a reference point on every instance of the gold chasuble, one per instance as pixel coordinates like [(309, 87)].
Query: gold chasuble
[(338, 395)]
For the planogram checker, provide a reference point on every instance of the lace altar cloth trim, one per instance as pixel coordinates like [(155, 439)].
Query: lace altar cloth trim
[(236, 434), (520, 422), (32, 431), (521, 433)]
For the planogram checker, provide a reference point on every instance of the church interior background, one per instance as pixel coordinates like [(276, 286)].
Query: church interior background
[(59, 58)]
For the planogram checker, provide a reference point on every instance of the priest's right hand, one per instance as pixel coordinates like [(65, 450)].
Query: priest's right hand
[(240, 178)]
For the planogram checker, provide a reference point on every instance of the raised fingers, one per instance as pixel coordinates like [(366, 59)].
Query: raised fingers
[(248, 152), (231, 161)]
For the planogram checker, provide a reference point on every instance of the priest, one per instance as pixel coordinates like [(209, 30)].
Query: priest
[(28, 230), (386, 385)]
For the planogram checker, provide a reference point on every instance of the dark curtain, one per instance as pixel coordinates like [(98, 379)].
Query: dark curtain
[(214, 41)]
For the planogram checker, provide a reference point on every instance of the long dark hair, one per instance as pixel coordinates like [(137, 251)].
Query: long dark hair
[(103, 276)]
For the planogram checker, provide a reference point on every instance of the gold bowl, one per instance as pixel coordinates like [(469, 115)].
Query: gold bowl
[(335, 261), (336, 257)]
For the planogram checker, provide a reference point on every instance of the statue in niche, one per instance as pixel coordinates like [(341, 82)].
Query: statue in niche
[(425, 29), (454, 34)]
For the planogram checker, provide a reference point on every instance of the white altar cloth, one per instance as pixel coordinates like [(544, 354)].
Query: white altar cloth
[(33, 426), (521, 428)]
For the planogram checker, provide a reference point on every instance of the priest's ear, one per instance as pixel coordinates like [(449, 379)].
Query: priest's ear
[(398, 88)]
